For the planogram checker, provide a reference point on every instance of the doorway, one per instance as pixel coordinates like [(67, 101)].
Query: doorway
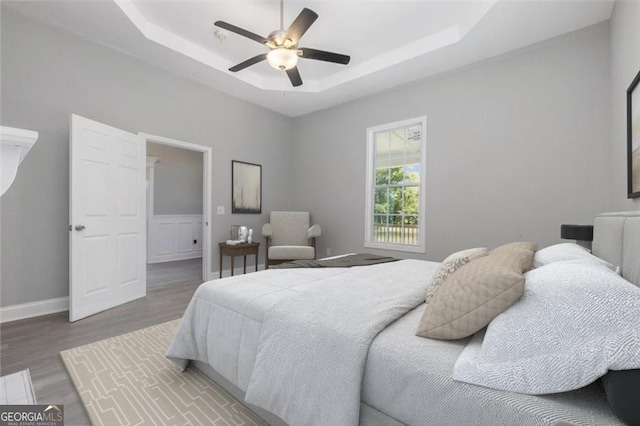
[(107, 218), (178, 211)]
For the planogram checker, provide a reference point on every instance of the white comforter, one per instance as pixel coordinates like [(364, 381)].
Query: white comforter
[(222, 323), (310, 328)]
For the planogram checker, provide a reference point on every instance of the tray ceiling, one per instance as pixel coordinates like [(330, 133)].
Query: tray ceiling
[(390, 43)]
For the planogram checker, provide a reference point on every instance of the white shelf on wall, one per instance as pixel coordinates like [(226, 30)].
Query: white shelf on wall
[(14, 146)]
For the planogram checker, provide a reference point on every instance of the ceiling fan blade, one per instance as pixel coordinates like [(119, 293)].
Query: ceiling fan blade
[(321, 55), (301, 24), (248, 62), (294, 76), (241, 31)]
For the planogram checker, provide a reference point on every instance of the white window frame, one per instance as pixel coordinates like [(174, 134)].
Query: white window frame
[(370, 185)]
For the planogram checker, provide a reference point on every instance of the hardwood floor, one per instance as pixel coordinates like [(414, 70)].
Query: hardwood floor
[(36, 343), (170, 273)]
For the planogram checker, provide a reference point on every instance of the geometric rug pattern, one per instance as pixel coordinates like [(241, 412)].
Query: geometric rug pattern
[(126, 380)]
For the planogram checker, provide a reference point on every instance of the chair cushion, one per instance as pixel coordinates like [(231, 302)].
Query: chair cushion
[(291, 252), (289, 228)]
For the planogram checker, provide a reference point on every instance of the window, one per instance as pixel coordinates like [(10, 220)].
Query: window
[(395, 204)]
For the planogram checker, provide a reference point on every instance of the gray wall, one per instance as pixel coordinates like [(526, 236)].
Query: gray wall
[(177, 180), (516, 146), (625, 64), (47, 74)]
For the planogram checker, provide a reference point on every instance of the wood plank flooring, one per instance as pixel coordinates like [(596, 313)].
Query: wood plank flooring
[(170, 273), (36, 343)]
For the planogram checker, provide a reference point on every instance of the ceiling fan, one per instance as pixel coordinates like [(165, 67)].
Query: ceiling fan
[(283, 46)]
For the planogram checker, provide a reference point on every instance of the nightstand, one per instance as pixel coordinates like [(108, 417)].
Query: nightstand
[(242, 249)]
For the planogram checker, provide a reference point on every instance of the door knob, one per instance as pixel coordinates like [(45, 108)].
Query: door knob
[(80, 227)]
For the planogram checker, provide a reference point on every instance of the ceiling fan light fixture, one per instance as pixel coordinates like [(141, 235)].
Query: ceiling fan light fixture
[(283, 46), (282, 59)]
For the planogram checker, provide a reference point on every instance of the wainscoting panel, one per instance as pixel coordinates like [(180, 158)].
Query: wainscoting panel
[(174, 237), (164, 238), (185, 236)]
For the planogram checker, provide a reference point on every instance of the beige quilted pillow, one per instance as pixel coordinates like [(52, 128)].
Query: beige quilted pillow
[(451, 264), (514, 247), (474, 295)]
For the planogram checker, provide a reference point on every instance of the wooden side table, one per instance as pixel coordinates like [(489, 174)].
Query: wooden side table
[(242, 249)]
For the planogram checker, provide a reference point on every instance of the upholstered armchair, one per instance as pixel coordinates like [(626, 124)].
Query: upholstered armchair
[(289, 237)]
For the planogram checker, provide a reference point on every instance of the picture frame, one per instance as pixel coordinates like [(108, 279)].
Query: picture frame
[(633, 138), (246, 187)]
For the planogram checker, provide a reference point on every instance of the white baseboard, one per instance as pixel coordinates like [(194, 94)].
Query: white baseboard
[(61, 304), (173, 257), (33, 309)]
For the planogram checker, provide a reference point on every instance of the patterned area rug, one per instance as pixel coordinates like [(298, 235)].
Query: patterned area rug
[(127, 380)]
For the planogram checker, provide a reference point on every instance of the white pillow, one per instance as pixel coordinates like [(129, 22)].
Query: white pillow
[(567, 251), (573, 323)]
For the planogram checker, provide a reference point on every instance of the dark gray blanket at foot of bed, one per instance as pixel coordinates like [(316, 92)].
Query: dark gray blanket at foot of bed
[(360, 259)]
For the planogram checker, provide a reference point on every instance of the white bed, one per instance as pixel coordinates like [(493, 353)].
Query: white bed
[(349, 353)]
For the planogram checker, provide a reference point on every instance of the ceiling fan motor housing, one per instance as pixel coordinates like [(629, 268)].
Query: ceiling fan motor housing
[(279, 39)]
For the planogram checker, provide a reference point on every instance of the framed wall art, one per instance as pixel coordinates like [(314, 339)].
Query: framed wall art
[(246, 187), (633, 138)]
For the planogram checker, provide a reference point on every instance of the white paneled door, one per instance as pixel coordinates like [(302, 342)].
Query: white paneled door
[(107, 212)]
